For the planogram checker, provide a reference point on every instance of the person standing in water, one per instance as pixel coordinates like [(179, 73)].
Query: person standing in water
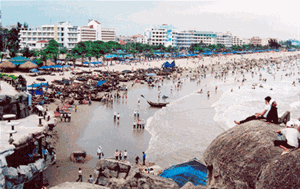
[(99, 152)]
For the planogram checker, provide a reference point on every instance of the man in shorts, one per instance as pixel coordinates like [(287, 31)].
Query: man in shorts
[(292, 135)]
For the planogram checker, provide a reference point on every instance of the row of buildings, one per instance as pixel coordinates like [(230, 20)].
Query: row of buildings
[(168, 36), (65, 34), (68, 36)]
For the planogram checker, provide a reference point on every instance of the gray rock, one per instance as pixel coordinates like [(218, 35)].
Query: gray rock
[(117, 174), (282, 172), (236, 157), (10, 173), (40, 164), (25, 171), (188, 185)]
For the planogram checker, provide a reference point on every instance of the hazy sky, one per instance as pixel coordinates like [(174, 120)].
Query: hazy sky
[(278, 19)]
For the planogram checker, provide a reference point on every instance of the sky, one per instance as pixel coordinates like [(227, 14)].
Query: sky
[(276, 19)]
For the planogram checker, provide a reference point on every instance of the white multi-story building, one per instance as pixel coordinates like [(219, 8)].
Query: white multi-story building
[(167, 35), (224, 39), (108, 34), (64, 33), (139, 39), (91, 32)]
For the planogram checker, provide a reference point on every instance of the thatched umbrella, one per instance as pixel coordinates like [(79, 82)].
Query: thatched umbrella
[(48, 63), (28, 65), (7, 65)]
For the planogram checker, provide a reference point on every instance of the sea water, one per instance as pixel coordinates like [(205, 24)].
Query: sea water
[(186, 127)]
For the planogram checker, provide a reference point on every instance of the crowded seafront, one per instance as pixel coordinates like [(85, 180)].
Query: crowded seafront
[(178, 132)]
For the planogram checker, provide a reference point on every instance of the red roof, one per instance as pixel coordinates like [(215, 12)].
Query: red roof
[(42, 41), (122, 42), (96, 21)]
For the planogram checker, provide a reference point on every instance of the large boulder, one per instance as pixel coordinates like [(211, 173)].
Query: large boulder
[(122, 175), (236, 157), (282, 172)]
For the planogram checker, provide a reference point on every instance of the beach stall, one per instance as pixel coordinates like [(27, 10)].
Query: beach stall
[(7, 66), (192, 171), (28, 66)]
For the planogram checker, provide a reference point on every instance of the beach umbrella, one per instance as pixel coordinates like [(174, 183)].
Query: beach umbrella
[(34, 70), (44, 67), (48, 63), (66, 66), (57, 66), (28, 65), (7, 65)]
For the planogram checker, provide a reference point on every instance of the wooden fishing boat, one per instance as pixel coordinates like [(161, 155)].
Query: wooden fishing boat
[(157, 104), (96, 99)]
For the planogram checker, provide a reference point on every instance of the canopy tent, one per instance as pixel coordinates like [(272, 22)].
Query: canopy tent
[(44, 67), (34, 70), (19, 60), (101, 82), (57, 66), (28, 65), (7, 65), (168, 65), (192, 171)]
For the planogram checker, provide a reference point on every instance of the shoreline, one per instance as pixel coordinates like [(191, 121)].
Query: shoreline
[(63, 160)]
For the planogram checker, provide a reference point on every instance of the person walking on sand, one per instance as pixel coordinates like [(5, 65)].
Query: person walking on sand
[(76, 108), (144, 158), (99, 152), (116, 155), (79, 175)]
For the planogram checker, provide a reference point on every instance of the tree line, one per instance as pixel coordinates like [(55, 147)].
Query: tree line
[(9, 40)]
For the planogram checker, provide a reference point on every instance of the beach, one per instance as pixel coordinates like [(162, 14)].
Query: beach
[(173, 134)]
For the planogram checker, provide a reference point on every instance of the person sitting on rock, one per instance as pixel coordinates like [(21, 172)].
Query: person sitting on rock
[(272, 116), (258, 116), (291, 134)]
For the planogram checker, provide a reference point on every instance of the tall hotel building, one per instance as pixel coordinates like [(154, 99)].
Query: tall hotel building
[(36, 38), (91, 32), (166, 35)]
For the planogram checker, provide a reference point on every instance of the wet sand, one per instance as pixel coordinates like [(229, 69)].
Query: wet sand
[(92, 126)]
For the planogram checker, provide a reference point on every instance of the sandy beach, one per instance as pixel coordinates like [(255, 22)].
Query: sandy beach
[(93, 125)]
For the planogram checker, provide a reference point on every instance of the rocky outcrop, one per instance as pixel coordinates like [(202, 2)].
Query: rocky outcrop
[(117, 174), (14, 176), (282, 172), (245, 157), (17, 105)]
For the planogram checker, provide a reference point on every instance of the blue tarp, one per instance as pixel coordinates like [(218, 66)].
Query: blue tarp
[(100, 83), (44, 67), (168, 65), (38, 85), (57, 66), (36, 92), (192, 171)]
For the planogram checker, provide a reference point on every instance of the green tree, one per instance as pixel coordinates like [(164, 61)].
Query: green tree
[(26, 52), (52, 50)]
